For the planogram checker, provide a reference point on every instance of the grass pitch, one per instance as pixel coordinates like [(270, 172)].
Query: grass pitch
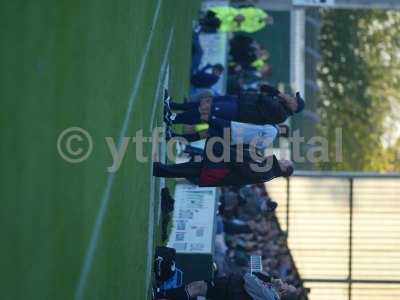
[(75, 63)]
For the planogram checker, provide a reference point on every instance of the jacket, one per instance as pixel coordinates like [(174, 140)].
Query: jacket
[(259, 290), (239, 170), (228, 288), (252, 172), (261, 109)]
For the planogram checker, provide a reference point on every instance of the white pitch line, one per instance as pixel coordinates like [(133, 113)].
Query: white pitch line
[(150, 231), (163, 147), (90, 253), (161, 77)]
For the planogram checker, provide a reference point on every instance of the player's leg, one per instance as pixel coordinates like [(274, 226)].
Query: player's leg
[(184, 106), (184, 170), (192, 137)]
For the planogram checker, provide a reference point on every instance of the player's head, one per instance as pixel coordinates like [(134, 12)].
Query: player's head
[(294, 104), (218, 69)]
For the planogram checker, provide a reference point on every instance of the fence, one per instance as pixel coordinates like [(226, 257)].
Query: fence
[(344, 232)]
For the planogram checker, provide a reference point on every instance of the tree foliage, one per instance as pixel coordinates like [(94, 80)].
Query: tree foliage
[(359, 78)]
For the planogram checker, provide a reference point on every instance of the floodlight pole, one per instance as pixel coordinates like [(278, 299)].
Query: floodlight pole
[(297, 50)]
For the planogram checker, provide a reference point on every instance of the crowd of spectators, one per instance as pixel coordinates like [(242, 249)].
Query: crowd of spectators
[(248, 64), (247, 225)]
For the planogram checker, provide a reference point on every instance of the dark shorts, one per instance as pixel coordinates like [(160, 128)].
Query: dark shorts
[(218, 125), (225, 107)]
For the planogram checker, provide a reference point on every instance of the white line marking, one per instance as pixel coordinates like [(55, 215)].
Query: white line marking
[(90, 253), (150, 232), (161, 77), (163, 149)]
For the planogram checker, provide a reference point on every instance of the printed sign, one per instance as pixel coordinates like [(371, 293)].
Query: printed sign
[(193, 219)]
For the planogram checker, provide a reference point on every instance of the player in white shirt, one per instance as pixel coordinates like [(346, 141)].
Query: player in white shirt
[(259, 136)]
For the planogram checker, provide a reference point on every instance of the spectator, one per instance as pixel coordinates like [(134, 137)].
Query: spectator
[(235, 287), (253, 205), (204, 79), (243, 50), (265, 238)]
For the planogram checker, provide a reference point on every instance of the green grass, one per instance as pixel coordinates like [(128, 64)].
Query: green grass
[(74, 63)]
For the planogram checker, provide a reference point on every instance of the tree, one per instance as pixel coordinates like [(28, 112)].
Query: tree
[(360, 80)]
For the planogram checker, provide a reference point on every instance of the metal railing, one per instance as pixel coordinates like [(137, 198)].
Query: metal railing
[(344, 232)]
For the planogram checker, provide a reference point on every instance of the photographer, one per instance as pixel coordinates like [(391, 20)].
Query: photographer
[(234, 287)]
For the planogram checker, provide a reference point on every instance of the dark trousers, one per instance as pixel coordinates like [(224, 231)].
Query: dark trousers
[(185, 170), (173, 294), (217, 126), (191, 114)]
